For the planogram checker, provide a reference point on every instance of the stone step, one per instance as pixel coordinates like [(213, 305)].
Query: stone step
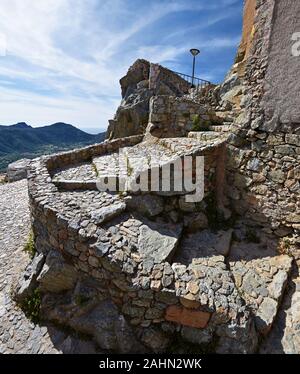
[(204, 135), (220, 128)]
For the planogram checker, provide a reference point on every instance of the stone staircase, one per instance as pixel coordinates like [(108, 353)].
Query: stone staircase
[(214, 132), (220, 128)]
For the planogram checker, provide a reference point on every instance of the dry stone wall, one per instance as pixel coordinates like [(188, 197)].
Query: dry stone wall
[(172, 116), (263, 155), (98, 248)]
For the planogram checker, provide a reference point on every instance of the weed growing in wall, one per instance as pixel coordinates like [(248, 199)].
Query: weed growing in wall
[(30, 246)]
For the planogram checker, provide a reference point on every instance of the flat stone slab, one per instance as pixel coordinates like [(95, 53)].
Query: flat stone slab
[(82, 172), (158, 241), (204, 243), (107, 213), (17, 170), (150, 205)]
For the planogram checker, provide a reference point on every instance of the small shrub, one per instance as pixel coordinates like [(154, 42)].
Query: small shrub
[(199, 124), (30, 246), (31, 306), (196, 123)]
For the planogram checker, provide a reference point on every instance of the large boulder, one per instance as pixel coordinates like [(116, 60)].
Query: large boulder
[(142, 81), (17, 170), (132, 115), (158, 241), (109, 329), (56, 275), (149, 205), (28, 280)]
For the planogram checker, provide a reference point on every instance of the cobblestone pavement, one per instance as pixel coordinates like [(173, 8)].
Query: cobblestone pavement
[(17, 333)]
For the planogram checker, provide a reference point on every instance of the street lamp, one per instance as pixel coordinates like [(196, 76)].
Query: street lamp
[(194, 52)]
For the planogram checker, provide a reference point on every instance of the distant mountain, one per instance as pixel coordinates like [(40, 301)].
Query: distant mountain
[(21, 140)]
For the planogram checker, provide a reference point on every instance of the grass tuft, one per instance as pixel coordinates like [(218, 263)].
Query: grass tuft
[(31, 306), (30, 246)]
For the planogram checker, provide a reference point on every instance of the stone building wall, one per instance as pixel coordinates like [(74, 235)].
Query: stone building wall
[(176, 116), (263, 154)]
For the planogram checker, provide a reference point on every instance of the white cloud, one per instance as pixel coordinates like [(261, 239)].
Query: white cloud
[(39, 110), (65, 57)]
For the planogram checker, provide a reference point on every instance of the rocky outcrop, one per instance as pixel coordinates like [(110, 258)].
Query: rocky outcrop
[(142, 81), (17, 170)]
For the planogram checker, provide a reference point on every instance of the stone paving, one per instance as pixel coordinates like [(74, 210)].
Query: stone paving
[(83, 172), (133, 161), (17, 333)]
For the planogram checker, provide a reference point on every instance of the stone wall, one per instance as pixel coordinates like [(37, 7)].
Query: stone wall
[(176, 116), (263, 168), (100, 248)]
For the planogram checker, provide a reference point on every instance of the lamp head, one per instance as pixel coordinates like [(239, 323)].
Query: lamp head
[(194, 51)]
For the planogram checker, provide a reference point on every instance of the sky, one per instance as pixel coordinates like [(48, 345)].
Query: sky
[(61, 60)]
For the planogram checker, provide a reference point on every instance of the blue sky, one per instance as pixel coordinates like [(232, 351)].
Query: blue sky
[(64, 58)]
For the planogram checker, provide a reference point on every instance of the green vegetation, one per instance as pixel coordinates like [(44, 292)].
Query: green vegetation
[(31, 306), (200, 124), (22, 141), (30, 246)]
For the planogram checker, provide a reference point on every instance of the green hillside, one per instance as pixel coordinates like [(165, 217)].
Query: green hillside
[(23, 141)]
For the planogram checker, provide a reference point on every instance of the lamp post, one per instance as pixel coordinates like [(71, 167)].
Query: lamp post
[(194, 53)]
